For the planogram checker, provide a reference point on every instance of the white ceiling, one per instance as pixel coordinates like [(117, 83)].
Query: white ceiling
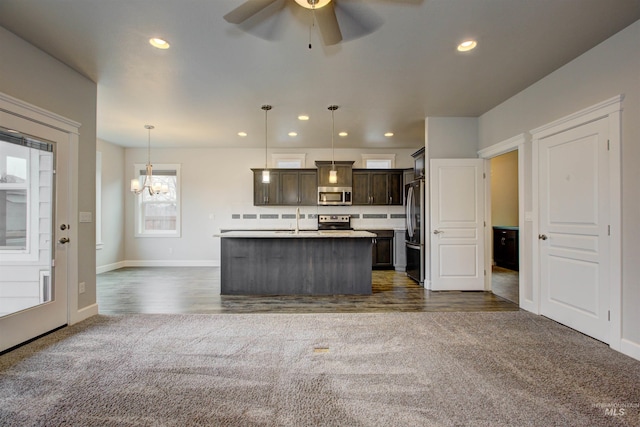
[(212, 81)]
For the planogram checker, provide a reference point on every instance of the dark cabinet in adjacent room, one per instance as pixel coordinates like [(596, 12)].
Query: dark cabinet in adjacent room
[(505, 247)]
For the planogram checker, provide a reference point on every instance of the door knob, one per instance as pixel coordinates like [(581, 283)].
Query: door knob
[(542, 236), (437, 232), (64, 240)]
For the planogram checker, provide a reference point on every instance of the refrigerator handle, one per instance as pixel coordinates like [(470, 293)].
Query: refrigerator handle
[(408, 209)]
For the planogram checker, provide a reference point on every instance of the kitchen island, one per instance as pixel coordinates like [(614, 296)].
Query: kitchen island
[(307, 262)]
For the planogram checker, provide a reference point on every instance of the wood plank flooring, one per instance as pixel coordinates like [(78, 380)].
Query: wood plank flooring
[(196, 290)]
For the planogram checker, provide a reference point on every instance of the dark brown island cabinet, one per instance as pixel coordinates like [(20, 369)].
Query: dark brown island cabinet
[(378, 187), (286, 187)]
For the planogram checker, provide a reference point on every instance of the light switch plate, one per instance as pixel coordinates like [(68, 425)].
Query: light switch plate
[(85, 217)]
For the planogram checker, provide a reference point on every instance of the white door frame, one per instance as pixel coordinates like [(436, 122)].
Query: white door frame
[(611, 111), (520, 143), (54, 121)]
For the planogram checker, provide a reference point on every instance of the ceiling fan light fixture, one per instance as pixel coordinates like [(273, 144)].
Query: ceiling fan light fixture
[(467, 45), (313, 4), (159, 43)]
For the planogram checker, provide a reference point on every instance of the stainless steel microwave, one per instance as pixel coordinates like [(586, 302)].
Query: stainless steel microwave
[(334, 195)]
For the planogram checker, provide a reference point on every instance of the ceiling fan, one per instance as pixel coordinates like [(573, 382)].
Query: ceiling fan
[(323, 11)]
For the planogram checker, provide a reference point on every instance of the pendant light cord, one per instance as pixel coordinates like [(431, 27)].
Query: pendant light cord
[(333, 125), (266, 108)]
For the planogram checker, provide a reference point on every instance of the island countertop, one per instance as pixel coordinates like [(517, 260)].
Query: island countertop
[(291, 234)]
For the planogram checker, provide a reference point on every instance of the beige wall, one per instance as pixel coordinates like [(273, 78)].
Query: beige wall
[(30, 75), (504, 189), (111, 252), (215, 185), (609, 69)]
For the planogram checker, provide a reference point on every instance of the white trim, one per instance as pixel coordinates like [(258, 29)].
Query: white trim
[(630, 348), (609, 110), (389, 156), (85, 313), (301, 157), (27, 111), (99, 242), (172, 263), (515, 143), (589, 114), (110, 267)]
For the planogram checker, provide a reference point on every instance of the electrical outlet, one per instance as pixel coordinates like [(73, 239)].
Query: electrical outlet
[(81, 288)]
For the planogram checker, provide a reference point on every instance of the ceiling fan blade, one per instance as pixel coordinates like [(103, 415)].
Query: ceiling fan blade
[(246, 10), (328, 24)]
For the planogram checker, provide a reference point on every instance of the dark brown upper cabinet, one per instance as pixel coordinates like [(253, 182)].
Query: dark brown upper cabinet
[(287, 187), (377, 187)]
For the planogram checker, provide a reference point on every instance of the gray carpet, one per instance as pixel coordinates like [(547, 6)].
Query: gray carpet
[(369, 369)]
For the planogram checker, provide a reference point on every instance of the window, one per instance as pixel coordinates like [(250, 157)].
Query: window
[(159, 215), (379, 161), (26, 185), (288, 161)]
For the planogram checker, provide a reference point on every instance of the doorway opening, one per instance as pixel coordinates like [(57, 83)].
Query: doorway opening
[(505, 233)]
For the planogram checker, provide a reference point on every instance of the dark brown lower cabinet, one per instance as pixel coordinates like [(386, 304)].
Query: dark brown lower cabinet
[(382, 249), (505, 247)]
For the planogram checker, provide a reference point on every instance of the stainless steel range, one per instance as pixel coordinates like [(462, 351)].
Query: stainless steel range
[(334, 222)]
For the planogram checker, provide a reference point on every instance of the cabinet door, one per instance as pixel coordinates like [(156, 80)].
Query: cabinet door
[(360, 195), (382, 249), (396, 188), (379, 188), (308, 188), (289, 187), (265, 194)]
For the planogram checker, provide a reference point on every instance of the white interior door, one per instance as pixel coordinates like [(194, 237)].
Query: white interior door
[(457, 224), (33, 262), (573, 228)]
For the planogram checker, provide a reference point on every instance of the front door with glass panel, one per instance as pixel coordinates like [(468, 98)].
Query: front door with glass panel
[(33, 288)]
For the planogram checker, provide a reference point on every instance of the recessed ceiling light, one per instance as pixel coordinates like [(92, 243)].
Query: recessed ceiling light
[(159, 43), (467, 45), (293, 134), (303, 117), (343, 134), (242, 134), (388, 134)]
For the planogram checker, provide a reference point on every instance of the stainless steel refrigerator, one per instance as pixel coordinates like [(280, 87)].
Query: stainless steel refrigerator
[(414, 241)]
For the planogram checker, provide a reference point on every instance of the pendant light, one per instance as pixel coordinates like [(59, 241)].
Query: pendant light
[(333, 173), (152, 187), (265, 173)]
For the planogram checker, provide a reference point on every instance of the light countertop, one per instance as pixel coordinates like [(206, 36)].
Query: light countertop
[(302, 234)]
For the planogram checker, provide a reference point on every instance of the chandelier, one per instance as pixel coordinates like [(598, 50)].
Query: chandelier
[(148, 184)]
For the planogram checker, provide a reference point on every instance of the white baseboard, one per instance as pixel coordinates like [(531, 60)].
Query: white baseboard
[(630, 348), (172, 263), (109, 267), (82, 314)]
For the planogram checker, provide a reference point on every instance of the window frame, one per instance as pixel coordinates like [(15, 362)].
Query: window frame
[(391, 158), (139, 231), (31, 250), (276, 158)]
